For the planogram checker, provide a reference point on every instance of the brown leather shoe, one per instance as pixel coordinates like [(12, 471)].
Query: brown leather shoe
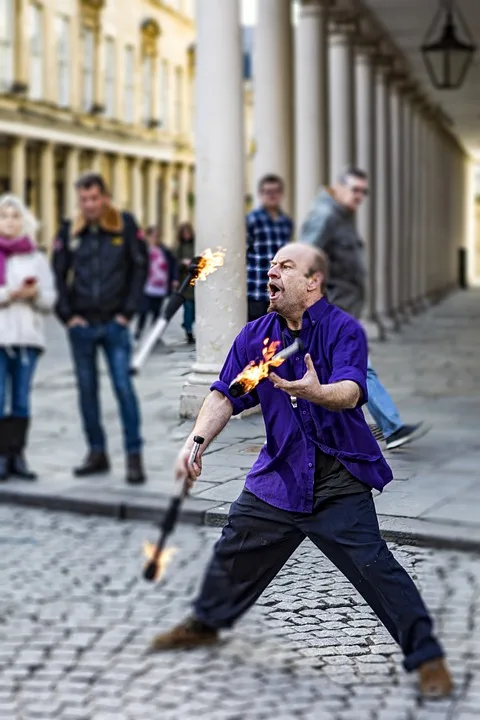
[(189, 634), (135, 472), (435, 679), (94, 464)]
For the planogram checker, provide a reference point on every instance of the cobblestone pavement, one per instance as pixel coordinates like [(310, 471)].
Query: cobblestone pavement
[(76, 618)]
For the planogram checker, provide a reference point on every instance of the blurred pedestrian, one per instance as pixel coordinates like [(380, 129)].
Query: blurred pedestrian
[(185, 255), (268, 229), (101, 265), (162, 280), (27, 294), (330, 226)]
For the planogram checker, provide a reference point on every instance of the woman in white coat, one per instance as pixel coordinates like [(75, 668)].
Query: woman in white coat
[(27, 294)]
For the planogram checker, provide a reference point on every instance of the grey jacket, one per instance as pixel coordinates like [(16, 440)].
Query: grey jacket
[(330, 227)]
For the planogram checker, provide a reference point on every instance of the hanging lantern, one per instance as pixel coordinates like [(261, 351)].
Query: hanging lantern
[(446, 56)]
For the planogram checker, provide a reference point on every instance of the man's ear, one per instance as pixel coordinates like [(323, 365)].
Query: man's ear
[(315, 281)]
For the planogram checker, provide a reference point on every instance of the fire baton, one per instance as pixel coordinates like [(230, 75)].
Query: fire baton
[(240, 386), (170, 520)]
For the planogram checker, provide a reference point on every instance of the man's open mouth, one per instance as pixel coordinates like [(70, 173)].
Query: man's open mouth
[(274, 291)]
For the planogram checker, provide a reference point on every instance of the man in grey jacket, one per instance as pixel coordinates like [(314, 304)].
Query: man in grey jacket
[(330, 226)]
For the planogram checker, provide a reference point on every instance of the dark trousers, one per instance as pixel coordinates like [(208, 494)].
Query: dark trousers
[(188, 316), (258, 539), (17, 368), (151, 307), (114, 340), (257, 309)]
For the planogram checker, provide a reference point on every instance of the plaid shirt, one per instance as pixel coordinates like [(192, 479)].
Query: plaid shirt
[(265, 237)]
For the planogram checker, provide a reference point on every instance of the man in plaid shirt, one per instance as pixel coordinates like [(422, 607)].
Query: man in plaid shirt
[(268, 229)]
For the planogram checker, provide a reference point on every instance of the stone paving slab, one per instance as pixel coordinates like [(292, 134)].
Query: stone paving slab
[(431, 369)]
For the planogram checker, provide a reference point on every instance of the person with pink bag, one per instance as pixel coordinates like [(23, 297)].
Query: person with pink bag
[(27, 294)]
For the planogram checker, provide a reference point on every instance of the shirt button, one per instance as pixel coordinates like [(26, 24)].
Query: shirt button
[(310, 465), (304, 412), (297, 359)]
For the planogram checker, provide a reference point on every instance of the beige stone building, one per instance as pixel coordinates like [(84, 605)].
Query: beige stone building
[(104, 85)]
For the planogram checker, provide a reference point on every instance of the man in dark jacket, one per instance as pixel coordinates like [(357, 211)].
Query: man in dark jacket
[(330, 226), (101, 263)]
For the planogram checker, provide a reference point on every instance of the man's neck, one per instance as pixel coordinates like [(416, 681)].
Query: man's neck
[(273, 212), (295, 320)]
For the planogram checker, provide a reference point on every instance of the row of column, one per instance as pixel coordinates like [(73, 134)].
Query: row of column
[(149, 188), (351, 106)]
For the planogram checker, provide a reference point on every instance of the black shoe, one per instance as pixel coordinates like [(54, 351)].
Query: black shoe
[(3, 468), (19, 468), (406, 434), (94, 464), (135, 472), (190, 339)]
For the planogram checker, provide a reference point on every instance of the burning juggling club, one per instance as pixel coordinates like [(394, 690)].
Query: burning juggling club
[(171, 516), (237, 388), (172, 306)]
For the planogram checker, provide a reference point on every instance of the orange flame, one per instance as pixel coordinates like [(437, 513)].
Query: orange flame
[(163, 560), (209, 263), (254, 372)]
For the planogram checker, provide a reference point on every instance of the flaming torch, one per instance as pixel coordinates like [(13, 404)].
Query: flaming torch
[(199, 269), (254, 373), (157, 555)]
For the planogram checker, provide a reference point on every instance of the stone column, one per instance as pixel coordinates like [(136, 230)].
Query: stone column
[(183, 189), (153, 175), (167, 205), (21, 47), (155, 89), (408, 205), (192, 200), (221, 300), (273, 91), (342, 97), (18, 166), (382, 196), (311, 104), (365, 142), (136, 189), (47, 194), (96, 163), (72, 164), (119, 181), (397, 219), (424, 214), (99, 72), (415, 260), (50, 54)]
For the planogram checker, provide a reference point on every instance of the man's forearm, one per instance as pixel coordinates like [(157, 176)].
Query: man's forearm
[(338, 396), (214, 414)]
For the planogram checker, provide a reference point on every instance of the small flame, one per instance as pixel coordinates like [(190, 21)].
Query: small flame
[(208, 264), (163, 560), (254, 372)]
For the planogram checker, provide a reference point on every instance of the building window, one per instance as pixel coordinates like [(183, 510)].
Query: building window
[(63, 59), (36, 52), (88, 69), (164, 95), (129, 84), (147, 86), (6, 44), (110, 78), (179, 99)]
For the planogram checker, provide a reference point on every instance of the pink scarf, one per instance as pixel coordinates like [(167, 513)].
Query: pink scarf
[(18, 246)]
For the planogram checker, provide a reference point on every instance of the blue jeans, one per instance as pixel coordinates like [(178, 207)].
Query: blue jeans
[(17, 367), (380, 405), (114, 339), (188, 315), (258, 539)]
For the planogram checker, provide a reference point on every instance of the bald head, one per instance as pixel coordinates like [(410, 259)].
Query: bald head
[(297, 278)]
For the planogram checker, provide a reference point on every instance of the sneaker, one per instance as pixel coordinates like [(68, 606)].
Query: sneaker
[(406, 434), (435, 680), (189, 634), (190, 339), (376, 432)]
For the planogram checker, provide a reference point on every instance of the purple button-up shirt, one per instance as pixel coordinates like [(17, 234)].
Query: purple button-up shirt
[(283, 474)]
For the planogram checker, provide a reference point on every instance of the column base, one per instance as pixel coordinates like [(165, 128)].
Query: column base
[(374, 331), (19, 88), (196, 389)]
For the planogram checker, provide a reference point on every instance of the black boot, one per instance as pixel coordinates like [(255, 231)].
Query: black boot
[(18, 465), (135, 472), (95, 463), (5, 443), (190, 339)]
